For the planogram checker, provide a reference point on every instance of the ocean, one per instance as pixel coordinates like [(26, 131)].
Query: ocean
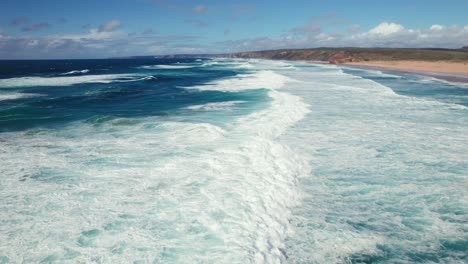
[(230, 161)]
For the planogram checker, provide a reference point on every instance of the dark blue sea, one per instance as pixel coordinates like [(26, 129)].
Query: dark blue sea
[(230, 161)]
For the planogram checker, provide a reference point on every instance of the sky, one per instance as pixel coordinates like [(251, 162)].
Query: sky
[(59, 29)]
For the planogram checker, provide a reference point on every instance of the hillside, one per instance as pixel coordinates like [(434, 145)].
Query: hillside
[(345, 55)]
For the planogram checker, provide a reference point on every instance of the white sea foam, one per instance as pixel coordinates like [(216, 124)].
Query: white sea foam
[(75, 72), (249, 64), (167, 67), (210, 63), (365, 86), (220, 63), (215, 106), (374, 73), (244, 66), (428, 79), (387, 173), (139, 79), (257, 80), (217, 194), (66, 81), (259, 161), (377, 157), (13, 96)]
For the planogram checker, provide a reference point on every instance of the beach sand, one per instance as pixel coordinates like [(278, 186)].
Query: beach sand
[(458, 68)]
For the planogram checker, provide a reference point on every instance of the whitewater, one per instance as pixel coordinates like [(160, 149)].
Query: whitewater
[(230, 161)]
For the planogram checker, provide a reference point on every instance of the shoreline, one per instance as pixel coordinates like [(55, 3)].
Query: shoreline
[(448, 71)]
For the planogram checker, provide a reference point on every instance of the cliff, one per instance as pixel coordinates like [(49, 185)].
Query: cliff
[(345, 55)]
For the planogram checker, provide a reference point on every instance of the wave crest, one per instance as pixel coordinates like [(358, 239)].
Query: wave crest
[(69, 80), (75, 72), (257, 80)]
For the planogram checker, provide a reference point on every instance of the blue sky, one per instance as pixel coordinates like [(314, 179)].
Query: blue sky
[(106, 28)]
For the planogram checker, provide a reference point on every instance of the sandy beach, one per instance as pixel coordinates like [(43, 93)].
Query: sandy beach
[(458, 68)]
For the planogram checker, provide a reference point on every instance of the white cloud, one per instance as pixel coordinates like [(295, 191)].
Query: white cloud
[(437, 27), (108, 41), (437, 36), (110, 26), (93, 34), (33, 42), (383, 35), (387, 29), (95, 44)]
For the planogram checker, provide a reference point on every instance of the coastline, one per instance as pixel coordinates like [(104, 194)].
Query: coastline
[(448, 71)]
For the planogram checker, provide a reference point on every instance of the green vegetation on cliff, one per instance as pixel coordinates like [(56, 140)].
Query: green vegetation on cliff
[(342, 55)]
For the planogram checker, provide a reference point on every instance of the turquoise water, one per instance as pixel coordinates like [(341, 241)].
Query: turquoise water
[(229, 161)]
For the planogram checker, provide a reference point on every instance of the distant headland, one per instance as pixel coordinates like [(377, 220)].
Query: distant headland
[(449, 61)]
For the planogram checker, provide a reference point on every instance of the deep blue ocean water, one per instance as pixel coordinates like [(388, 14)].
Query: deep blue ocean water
[(230, 161)]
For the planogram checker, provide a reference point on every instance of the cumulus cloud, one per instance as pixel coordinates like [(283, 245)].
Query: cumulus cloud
[(437, 27), (110, 41), (385, 34), (110, 26), (95, 44), (395, 35), (387, 29)]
